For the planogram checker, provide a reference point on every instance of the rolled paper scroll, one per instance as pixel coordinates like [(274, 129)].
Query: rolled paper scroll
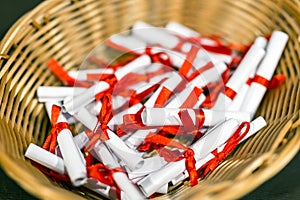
[(137, 63), (154, 35), (151, 165), (216, 137), (131, 158), (190, 94), (171, 116), (180, 100), (256, 125), (73, 158), (240, 76), (238, 100), (131, 191), (45, 158), (56, 93), (181, 29), (82, 74), (86, 118), (265, 72)]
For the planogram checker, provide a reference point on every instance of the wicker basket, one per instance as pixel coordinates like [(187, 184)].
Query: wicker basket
[(68, 30)]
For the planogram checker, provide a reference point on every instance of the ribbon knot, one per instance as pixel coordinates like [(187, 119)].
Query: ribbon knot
[(188, 153), (161, 141), (190, 165), (50, 142), (101, 173), (232, 142), (100, 131), (104, 174)]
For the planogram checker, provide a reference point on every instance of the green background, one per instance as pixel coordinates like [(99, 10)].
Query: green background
[(285, 185)]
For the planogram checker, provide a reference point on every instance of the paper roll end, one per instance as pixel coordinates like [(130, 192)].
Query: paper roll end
[(147, 187), (79, 181)]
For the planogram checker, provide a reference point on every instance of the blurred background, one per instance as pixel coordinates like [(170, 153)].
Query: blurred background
[(285, 185)]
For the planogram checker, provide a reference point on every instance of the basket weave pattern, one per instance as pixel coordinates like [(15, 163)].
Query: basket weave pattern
[(68, 29)]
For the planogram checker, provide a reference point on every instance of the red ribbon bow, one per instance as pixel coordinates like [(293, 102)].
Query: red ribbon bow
[(104, 174), (232, 142), (100, 131), (50, 142), (161, 141)]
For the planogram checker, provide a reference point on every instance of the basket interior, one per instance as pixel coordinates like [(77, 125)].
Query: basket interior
[(68, 30)]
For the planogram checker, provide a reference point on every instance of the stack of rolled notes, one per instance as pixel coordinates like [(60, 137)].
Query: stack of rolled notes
[(169, 112)]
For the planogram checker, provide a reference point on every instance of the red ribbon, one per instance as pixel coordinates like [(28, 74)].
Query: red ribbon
[(104, 174), (163, 97), (89, 159), (50, 142), (63, 75), (261, 80), (167, 154), (275, 82), (216, 88), (231, 143), (137, 98), (207, 66), (97, 77), (218, 49), (187, 121), (190, 161), (190, 165), (134, 78), (192, 99), (133, 121), (188, 62), (230, 92), (162, 140), (249, 81), (213, 95), (100, 131)]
